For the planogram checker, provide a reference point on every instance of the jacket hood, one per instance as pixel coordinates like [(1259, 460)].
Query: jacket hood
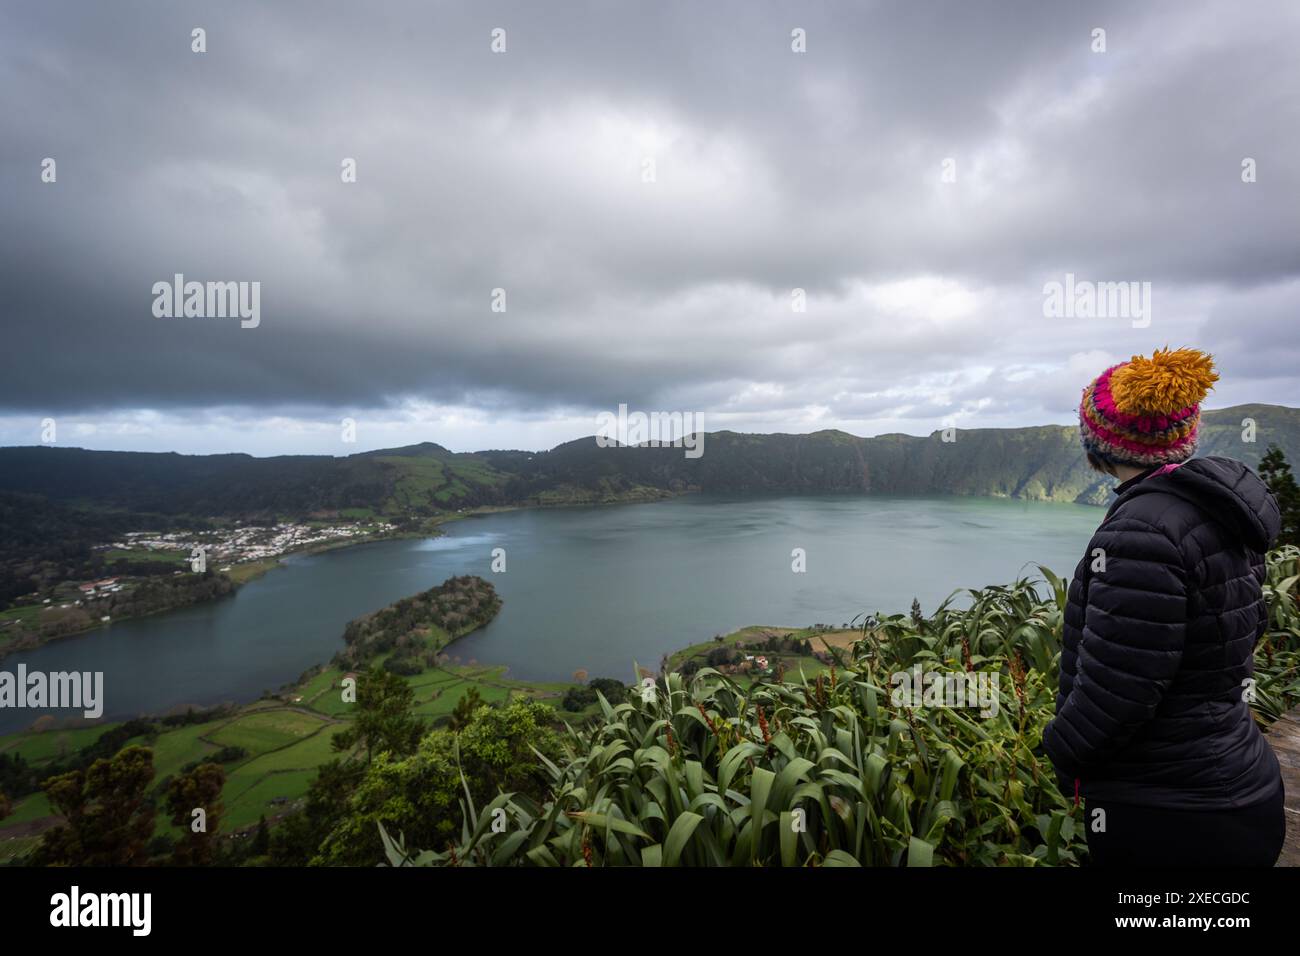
[(1228, 491)]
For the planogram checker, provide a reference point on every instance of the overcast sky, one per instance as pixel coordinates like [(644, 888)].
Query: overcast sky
[(525, 170)]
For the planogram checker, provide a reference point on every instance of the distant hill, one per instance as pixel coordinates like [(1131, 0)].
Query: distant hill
[(1041, 463)]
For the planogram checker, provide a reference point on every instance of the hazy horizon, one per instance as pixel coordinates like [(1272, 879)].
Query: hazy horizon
[(361, 449)]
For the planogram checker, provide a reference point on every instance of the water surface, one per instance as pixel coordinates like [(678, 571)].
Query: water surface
[(592, 588)]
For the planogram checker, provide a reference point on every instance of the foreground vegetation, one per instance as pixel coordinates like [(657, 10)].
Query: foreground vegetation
[(828, 770)]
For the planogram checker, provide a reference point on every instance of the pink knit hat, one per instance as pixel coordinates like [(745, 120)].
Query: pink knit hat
[(1146, 411)]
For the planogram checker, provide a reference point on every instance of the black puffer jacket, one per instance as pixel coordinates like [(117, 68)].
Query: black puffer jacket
[(1151, 706)]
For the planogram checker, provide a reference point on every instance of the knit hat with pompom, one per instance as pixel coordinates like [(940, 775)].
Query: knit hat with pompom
[(1145, 412)]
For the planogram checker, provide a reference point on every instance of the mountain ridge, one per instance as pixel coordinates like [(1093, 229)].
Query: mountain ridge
[(1038, 462)]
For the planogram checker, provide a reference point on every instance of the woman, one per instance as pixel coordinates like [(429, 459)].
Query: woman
[(1153, 731)]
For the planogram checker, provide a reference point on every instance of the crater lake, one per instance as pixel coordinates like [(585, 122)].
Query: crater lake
[(596, 588)]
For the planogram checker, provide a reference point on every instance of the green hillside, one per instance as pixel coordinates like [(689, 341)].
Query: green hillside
[(1041, 462)]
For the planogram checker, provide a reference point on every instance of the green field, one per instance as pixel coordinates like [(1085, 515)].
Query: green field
[(429, 482), (328, 698), (26, 613), (245, 571), (261, 731), (440, 700), (35, 806), (176, 748), (248, 806), (40, 747), (286, 772)]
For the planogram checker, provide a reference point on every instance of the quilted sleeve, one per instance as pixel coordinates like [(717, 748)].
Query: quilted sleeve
[(1134, 626)]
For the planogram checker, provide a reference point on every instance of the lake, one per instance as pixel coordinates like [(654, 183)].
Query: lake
[(595, 588)]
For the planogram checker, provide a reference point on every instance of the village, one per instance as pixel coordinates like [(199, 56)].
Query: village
[(239, 544), (70, 606)]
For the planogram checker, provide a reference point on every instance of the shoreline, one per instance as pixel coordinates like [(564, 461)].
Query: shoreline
[(252, 571), (432, 529)]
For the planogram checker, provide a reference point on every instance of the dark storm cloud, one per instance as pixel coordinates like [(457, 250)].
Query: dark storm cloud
[(523, 171)]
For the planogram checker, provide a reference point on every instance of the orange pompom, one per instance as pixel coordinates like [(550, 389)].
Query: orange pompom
[(1167, 382)]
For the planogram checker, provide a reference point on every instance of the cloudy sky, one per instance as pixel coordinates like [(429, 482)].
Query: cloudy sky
[(648, 182)]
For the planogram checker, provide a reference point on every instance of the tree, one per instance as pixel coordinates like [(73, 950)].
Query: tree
[(386, 729), (109, 819), (17, 776), (420, 796), (576, 698), (722, 655), (469, 702), (1276, 472), (262, 839), (613, 690), (295, 839), (5, 807), (384, 721), (200, 789)]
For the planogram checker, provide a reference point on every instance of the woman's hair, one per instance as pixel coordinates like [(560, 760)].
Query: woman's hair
[(1096, 464)]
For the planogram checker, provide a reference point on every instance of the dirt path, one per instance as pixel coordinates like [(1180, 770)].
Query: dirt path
[(1284, 735)]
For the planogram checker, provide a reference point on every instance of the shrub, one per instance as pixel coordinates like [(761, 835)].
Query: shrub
[(718, 656), (420, 794), (405, 665), (578, 698)]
